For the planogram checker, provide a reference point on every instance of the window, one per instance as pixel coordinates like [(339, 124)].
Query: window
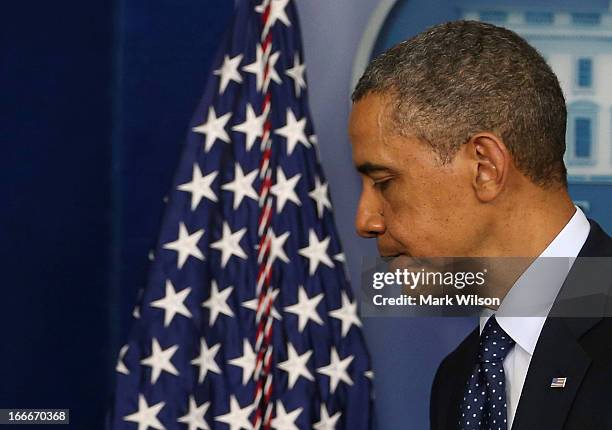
[(497, 16), (584, 73), (582, 130), (583, 135), (582, 18), (539, 17)]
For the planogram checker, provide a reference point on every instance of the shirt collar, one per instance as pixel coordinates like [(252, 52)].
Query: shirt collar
[(525, 330)]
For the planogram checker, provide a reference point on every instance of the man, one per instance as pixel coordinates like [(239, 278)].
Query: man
[(459, 137)]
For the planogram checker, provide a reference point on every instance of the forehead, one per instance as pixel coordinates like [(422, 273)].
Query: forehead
[(371, 134), (367, 117)]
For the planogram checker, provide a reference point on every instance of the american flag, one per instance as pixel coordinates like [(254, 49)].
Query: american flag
[(558, 382), (248, 320)]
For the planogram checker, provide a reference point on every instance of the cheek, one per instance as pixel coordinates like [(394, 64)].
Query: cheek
[(428, 218), (411, 202), (407, 216)]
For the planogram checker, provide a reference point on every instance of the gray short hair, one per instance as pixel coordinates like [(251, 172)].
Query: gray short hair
[(460, 78)]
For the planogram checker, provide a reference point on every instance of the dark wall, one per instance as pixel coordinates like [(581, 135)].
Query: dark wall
[(55, 126), (94, 103)]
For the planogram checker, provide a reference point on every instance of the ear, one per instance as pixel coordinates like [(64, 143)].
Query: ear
[(492, 162)]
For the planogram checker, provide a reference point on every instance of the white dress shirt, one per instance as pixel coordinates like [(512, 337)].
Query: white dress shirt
[(525, 330)]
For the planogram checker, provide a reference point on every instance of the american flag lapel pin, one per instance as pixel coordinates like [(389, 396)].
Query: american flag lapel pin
[(558, 382)]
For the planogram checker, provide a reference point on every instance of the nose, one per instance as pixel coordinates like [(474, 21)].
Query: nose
[(369, 219)]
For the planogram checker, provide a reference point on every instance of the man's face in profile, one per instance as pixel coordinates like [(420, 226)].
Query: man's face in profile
[(410, 202)]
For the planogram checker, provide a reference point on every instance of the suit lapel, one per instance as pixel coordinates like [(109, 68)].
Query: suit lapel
[(557, 354), (460, 372)]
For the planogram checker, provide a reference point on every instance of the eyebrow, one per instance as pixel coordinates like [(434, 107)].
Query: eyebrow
[(367, 168)]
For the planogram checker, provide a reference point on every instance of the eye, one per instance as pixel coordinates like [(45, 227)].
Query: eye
[(382, 184)]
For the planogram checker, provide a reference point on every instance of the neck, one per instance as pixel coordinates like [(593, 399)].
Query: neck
[(526, 232)]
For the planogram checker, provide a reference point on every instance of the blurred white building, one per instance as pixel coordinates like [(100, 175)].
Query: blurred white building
[(578, 46)]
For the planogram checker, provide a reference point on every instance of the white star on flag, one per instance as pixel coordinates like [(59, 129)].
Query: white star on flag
[(121, 367), (306, 308), (252, 127), (229, 71), (214, 128), (270, 298), (257, 68), (285, 420), (296, 365), (246, 361), (340, 257), (327, 422), (277, 13), (336, 370), (242, 185), (316, 252), (186, 245), (284, 189), (347, 314), (195, 417), (276, 244), (160, 361), (293, 131), (206, 360), (172, 303), (319, 195), (237, 418), (297, 74), (146, 416), (199, 186), (229, 244), (217, 302)]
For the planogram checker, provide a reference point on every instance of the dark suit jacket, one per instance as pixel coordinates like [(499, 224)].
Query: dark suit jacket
[(579, 348)]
